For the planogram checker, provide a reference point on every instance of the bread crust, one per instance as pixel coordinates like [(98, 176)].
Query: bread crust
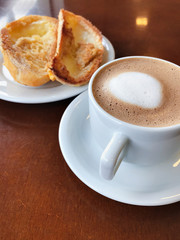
[(80, 43), (16, 46)]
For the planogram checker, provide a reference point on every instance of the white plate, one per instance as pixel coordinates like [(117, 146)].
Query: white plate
[(50, 92), (133, 184)]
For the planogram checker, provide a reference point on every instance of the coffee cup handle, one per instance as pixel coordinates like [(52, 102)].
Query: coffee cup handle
[(111, 156)]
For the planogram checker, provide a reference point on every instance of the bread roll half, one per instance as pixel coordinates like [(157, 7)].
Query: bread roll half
[(28, 45), (79, 50)]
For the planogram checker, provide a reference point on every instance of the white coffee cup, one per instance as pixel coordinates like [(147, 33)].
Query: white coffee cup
[(120, 140)]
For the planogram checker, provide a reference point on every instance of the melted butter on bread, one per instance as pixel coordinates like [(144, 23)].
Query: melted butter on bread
[(28, 44), (79, 50)]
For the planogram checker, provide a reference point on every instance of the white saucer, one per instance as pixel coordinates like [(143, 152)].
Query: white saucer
[(50, 92), (148, 186)]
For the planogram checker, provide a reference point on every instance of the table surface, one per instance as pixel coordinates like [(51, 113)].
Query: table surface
[(40, 197)]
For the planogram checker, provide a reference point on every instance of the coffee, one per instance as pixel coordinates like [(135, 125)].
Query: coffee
[(140, 91)]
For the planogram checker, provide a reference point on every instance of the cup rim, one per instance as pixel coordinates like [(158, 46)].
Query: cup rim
[(114, 119)]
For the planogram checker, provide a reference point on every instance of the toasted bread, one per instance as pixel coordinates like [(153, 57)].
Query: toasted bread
[(28, 44), (79, 50)]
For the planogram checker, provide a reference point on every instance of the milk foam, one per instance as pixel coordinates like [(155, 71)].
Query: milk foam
[(136, 88)]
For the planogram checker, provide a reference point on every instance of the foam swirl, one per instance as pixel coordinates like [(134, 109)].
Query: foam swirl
[(137, 88)]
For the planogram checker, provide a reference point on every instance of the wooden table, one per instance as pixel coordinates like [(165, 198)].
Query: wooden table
[(40, 197)]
